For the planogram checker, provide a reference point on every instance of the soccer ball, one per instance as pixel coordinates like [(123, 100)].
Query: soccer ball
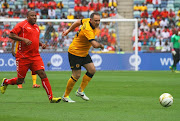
[(166, 100)]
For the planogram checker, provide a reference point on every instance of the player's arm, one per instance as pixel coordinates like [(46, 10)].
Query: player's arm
[(13, 53), (42, 45), (96, 44), (171, 44), (17, 38), (72, 27)]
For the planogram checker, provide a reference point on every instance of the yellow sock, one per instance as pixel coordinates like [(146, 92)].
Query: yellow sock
[(34, 77), (86, 79), (70, 85)]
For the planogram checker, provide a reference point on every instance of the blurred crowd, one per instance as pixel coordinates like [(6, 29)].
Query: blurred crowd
[(158, 20), (58, 9)]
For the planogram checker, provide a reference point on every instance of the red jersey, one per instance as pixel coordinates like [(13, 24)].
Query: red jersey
[(26, 30)]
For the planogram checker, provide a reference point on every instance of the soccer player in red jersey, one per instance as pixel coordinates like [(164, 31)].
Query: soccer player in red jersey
[(27, 56)]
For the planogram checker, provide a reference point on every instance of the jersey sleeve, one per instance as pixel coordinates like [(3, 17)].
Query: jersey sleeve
[(17, 29), (84, 20), (89, 35)]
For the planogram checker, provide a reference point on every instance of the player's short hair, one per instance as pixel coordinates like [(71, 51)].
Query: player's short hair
[(29, 12), (92, 15)]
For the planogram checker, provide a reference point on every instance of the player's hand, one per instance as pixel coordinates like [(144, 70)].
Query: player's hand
[(27, 41), (13, 53), (102, 46), (65, 32), (43, 46), (173, 52)]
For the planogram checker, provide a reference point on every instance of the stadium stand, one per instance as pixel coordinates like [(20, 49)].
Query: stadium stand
[(52, 9), (157, 28)]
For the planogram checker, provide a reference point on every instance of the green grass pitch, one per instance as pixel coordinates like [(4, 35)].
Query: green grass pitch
[(114, 96)]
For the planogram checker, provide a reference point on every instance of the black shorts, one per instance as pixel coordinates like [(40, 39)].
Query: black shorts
[(76, 62)]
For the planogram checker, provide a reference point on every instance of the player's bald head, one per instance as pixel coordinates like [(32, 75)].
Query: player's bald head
[(31, 17)]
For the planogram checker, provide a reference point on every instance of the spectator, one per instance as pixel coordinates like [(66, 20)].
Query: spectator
[(77, 8), (163, 22), (144, 14), (144, 26), (136, 7), (112, 13), (157, 22), (153, 39), (158, 35), (150, 19), (105, 6), (91, 6), (151, 33), (51, 13), (84, 8), (52, 4), (77, 1), (44, 12), (148, 1), (112, 4), (143, 20), (110, 47), (63, 16), (156, 13), (171, 14), (10, 12), (156, 2), (104, 31), (158, 45), (178, 23), (39, 4), (42, 28), (54, 38), (78, 15), (5, 5), (70, 16), (60, 5), (164, 13), (112, 40), (45, 4), (67, 42), (165, 35), (166, 47), (31, 5), (178, 16), (24, 12), (105, 14), (98, 6), (143, 7), (17, 11)]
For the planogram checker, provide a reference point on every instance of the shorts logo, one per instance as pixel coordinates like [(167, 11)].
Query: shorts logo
[(56, 60), (97, 60), (77, 65)]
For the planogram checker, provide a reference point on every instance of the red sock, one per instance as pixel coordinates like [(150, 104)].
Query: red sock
[(11, 81), (47, 87)]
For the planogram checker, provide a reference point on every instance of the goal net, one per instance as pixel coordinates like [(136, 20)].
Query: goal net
[(118, 35)]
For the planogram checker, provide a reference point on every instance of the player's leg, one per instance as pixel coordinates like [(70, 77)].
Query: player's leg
[(176, 59), (38, 67), (34, 78), (22, 68), (70, 84), (75, 64), (89, 66)]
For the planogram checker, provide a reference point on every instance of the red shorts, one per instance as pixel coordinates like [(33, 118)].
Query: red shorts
[(23, 64)]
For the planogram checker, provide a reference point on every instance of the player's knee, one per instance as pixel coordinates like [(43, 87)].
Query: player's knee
[(77, 76), (42, 74), (92, 71)]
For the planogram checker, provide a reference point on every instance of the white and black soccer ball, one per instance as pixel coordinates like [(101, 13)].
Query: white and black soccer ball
[(166, 100)]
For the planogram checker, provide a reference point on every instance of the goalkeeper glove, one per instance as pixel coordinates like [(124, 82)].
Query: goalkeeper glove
[(173, 52)]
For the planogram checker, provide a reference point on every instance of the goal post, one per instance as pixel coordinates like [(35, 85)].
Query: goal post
[(13, 22)]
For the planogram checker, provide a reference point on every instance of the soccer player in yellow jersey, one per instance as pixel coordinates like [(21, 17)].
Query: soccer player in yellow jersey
[(34, 76), (78, 54)]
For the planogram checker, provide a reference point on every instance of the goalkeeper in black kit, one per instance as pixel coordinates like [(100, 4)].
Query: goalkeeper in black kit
[(175, 44)]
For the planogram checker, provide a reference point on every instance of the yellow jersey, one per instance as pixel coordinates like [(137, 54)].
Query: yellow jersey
[(82, 40)]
